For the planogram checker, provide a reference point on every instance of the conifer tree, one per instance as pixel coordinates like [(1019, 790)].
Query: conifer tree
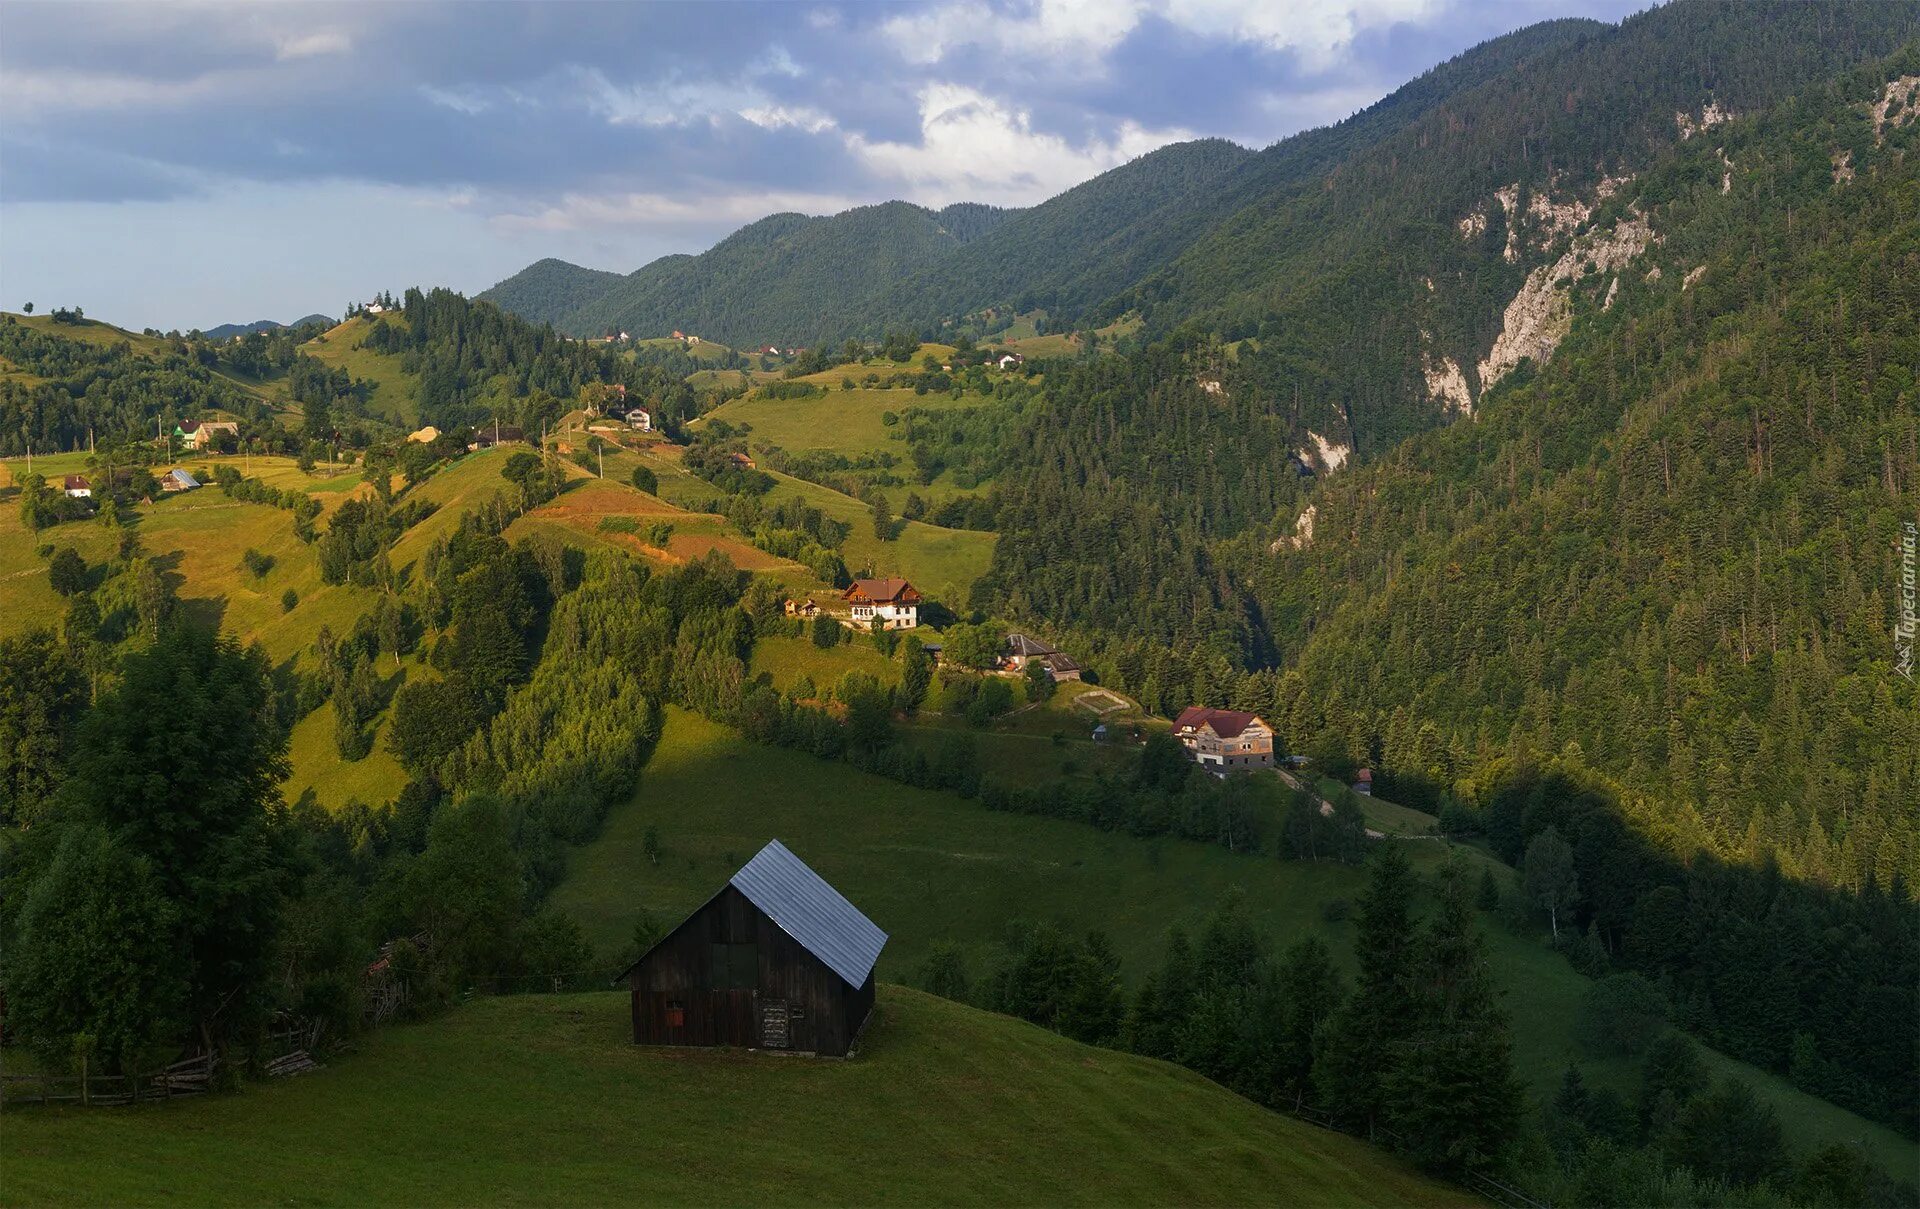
[(1452, 1096), (1363, 1048)]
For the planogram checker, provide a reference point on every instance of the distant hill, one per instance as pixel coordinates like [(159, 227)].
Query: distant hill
[(787, 279), (894, 265), (544, 1099), (227, 331), (547, 291)]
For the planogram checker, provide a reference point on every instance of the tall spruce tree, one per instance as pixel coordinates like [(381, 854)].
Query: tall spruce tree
[(1452, 1097), (1364, 1049)]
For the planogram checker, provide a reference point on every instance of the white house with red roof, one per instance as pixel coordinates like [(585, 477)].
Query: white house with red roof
[(1223, 739), (884, 604)]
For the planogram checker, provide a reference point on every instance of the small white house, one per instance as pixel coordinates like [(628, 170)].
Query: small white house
[(640, 420), (78, 487)]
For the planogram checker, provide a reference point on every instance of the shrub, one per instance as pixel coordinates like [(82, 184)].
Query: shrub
[(1620, 1015), (257, 563), (288, 599), (646, 480), (67, 572)]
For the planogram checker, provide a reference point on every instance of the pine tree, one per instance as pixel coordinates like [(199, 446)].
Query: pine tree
[(1364, 1046), (1452, 1097)]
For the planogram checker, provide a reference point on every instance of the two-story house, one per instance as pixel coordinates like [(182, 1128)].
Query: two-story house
[(886, 604), (1223, 739)]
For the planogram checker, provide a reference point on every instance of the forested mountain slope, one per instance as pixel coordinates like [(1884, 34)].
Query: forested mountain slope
[(1677, 546), (546, 291), (1067, 255), (1075, 253), (1673, 543), (784, 279), (1660, 561)]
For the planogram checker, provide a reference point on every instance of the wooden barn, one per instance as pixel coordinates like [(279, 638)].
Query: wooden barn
[(777, 960)]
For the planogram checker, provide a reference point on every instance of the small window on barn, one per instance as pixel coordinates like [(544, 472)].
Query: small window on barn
[(676, 1014)]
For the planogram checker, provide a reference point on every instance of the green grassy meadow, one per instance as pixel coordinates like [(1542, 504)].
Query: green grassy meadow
[(942, 563), (851, 422), (543, 1100), (929, 867), (395, 396)]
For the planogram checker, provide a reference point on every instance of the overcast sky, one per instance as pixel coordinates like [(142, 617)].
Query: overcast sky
[(182, 165)]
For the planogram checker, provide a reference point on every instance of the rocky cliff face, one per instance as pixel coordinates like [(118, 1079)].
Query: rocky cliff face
[(1540, 314)]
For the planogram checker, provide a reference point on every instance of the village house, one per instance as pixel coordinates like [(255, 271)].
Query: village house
[(496, 434), (1222, 739), (177, 480), (640, 420), (802, 607), (1011, 361), (1022, 650), (78, 486), (777, 960), (200, 434), (884, 604), (1363, 782)]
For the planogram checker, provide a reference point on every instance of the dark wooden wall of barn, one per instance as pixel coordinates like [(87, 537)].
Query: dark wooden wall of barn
[(823, 1014)]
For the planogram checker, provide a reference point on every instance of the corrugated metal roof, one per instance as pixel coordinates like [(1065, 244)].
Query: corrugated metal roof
[(812, 912)]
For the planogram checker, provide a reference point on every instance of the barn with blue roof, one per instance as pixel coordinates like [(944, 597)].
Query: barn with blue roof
[(777, 959)]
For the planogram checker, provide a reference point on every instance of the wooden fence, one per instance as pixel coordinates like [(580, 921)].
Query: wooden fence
[(188, 1077)]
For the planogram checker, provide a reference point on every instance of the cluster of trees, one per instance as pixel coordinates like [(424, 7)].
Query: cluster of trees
[(108, 392), (1417, 1053), (1818, 985), (477, 363)]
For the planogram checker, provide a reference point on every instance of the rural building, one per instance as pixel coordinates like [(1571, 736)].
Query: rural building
[(887, 604), (802, 607), (1363, 782), (1022, 650), (1011, 361), (640, 419), (199, 434), (178, 480), (487, 438), (78, 486), (1225, 738), (778, 960)]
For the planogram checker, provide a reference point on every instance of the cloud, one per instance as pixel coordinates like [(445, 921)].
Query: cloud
[(1075, 35), (583, 212), (319, 42), (975, 148)]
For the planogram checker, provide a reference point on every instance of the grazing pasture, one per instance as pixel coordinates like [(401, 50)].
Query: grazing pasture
[(545, 1100)]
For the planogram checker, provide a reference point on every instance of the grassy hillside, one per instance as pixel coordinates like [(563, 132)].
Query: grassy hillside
[(395, 395), (943, 563), (197, 539), (544, 1100), (715, 798)]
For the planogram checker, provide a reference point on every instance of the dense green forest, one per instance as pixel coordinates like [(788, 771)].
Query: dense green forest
[(787, 279), (477, 364)]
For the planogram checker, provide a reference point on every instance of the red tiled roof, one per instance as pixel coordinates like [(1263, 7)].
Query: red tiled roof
[(1226, 723), (1363, 777), (882, 591), (75, 481)]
